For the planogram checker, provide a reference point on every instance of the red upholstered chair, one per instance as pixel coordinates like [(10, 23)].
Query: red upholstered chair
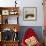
[(28, 34)]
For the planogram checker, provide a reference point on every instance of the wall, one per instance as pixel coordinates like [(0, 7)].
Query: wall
[(26, 3)]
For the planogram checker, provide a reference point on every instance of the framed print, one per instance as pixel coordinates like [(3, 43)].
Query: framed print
[(5, 12), (30, 13)]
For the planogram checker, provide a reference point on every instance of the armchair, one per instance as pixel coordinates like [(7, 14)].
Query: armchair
[(30, 38)]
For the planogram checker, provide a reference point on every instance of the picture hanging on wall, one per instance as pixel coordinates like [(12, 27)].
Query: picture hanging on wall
[(30, 13)]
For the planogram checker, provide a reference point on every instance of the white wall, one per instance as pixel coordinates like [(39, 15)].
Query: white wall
[(6, 3), (27, 3)]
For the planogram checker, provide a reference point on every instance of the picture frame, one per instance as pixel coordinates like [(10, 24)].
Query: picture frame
[(30, 13)]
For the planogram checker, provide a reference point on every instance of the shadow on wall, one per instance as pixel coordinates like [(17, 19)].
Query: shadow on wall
[(37, 29)]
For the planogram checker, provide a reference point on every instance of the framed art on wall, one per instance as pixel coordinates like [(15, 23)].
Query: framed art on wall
[(30, 13)]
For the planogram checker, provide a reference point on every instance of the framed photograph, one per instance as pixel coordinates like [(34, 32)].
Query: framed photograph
[(30, 13), (5, 12)]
